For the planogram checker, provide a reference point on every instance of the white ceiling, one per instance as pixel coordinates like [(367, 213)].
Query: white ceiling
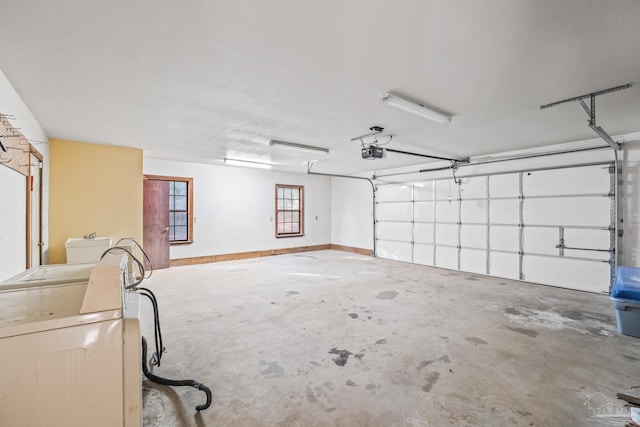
[(203, 80)]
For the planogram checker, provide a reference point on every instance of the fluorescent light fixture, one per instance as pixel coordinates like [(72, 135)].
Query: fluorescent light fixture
[(296, 146), (247, 163), (414, 108)]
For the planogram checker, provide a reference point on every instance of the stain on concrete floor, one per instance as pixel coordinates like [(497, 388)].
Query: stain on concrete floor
[(476, 340), (432, 379), (528, 332), (272, 370), (342, 356), (387, 295)]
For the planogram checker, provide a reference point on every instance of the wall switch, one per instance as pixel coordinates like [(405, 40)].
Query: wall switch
[(316, 217)]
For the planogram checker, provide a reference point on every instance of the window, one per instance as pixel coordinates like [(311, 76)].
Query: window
[(289, 210), (178, 211), (180, 208)]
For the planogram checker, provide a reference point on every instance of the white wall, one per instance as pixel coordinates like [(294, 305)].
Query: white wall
[(351, 224), (13, 245), (12, 105), (234, 208), (351, 213)]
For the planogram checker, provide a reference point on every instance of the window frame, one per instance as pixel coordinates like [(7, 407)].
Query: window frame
[(300, 211), (189, 182)]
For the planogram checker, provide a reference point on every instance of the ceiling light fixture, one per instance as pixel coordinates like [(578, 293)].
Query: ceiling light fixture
[(414, 108), (296, 146), (247, 163)]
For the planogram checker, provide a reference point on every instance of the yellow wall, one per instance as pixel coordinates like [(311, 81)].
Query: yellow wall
[(93, 188)]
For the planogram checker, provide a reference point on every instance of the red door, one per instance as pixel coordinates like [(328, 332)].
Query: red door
[(156, 222)]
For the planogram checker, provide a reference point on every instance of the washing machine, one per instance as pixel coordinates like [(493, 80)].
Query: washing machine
[(52, 274), (70, 352)]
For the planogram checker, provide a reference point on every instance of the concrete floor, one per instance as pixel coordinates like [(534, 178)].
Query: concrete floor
[(331, 338)]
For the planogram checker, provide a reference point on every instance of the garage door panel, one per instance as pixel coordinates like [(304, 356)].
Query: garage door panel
[(447, 257), (447, 234), (504, 211), (474, 211), (504, 238), (393, 193), (423, 233), (473, 261), (394, 231), (446, 188), (595, 239), (473, 236), (423, 211), (447, 212), (474, 187), (423, 254), (578, 180), (507, 185), (394, 250), (423, 190), (541, 240), (574, 274), (504, 265), (583, 211), (394, 211)]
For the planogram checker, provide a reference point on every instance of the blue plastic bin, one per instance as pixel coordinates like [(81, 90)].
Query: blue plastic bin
[(626, 300), (627, 283)]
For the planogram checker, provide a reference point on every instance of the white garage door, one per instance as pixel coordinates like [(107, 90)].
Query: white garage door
[(550, 226)]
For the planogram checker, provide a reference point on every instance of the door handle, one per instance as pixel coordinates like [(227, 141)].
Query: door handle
[(165, 229)]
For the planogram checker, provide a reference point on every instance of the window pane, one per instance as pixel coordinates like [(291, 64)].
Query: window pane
[(295, 228), (180, 188), (280, 204), (288, 217), (172, 233), (295, 205), (171, 188), (287, 193), (295, 193), (180, 203), (171, 203), (280, 193), (295, 217), (180, 218), (181, 233), (280, 216), (288, 205), (171, 219)]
